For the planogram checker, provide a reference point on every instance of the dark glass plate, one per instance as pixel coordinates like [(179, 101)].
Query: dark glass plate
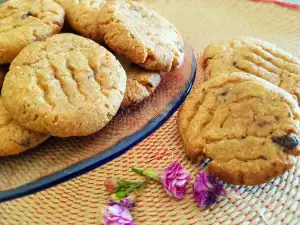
[(58, 160)]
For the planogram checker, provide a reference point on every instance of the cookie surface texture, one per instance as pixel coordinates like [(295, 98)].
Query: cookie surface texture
[(142, 35), (246, 125), (257, 57), (22, 22), (67, 85), (83, 17), (15, 138), (141, 83)]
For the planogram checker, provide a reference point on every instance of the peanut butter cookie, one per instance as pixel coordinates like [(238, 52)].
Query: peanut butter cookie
[(256, 57), (246, 125), (83, 16), (14, 138), (142, 35), (22, 22), (141, 83), (67, 85)]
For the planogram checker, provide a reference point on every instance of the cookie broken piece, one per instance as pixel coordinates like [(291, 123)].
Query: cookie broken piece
[(142, 35), (141, 83), (240, 121), (257, 57), (14, 138)]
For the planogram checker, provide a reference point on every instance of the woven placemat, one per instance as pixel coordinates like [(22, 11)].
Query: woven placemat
[(80, 200)]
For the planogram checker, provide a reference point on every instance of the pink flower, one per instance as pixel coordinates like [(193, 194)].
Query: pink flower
[(174, 179), (117, 215), (207, 189)]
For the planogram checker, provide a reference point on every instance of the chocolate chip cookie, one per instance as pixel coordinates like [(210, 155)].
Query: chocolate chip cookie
[(22, 22), (14, 138), (67, 85), (141, 83), (142, 35), (257, 57), (246, 125)]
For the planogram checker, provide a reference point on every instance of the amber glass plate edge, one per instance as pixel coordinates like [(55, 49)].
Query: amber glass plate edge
[(104, 157)]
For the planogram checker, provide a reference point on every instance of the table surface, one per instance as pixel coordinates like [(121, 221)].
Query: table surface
[(79, 201)]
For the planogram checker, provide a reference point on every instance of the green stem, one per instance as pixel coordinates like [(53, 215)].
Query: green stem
[(138, 171), (148, 173)]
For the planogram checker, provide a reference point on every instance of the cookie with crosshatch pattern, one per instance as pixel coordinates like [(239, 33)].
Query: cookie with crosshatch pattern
[(246, 125), (257, 57), (67, 85)]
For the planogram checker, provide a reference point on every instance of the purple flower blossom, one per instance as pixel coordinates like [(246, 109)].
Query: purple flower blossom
[(127, 202), (117, 215), (174, 178), (207, 188)]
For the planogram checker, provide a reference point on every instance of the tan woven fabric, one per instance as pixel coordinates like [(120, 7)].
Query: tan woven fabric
[(80, 200)]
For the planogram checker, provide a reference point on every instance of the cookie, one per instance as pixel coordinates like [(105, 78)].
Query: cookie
[(142, 35), (67, 85), (256, 57), (3, 71), (83, 17), (246, 125), (15, 138), (22, 22), (141, 83)]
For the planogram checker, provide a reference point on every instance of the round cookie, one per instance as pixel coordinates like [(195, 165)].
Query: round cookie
[(22, 22), (142, 35), (67, 85), (83, 17), (257, 57), (246, 125), (141, 83), (14, 138)]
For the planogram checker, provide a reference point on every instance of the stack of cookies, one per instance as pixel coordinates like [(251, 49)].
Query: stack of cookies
[(68, 85), (245, 117)]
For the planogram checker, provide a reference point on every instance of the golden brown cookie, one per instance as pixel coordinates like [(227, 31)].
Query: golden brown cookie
[(257, 57), (142, 35), (67, 85), (141, 83), (83, 17), (14, 138), (246, 125), (22, 22)]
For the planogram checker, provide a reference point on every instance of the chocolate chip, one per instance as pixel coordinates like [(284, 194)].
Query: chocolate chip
[(289, 141), (234, 64), (26, 15), (224, 93), (263, 157), (277, 118), (261, 123), (25, 143), (38, 39)]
